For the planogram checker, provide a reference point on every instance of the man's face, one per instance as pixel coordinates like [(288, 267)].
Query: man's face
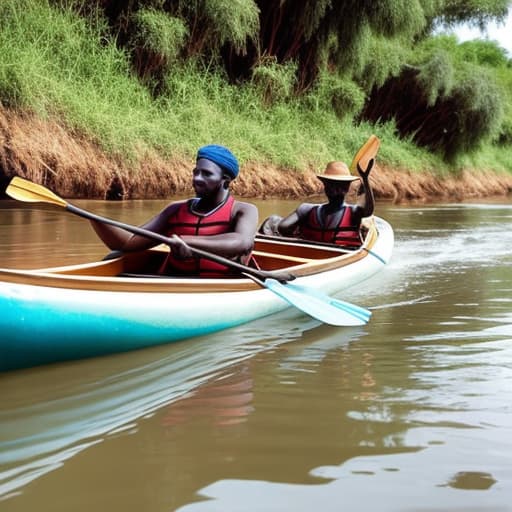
[(208, 178), (334, 189)]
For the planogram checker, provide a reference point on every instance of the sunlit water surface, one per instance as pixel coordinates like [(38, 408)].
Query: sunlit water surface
[(412, 412)]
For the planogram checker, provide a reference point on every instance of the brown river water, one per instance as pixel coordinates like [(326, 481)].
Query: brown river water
[(412, 412)]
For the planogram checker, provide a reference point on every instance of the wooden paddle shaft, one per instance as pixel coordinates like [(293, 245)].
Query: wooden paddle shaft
[(260, 274)]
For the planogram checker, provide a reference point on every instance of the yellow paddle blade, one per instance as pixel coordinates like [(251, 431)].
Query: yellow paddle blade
[(367, 151), (24, 190)]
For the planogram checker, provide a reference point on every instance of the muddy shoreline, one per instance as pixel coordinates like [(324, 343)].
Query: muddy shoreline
[(46, 153)]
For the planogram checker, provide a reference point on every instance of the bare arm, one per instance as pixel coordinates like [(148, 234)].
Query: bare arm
[(365, 199), (118, 239), (289, 224), (239, 241)]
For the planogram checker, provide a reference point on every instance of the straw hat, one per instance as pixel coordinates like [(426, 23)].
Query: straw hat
[(337, 171)]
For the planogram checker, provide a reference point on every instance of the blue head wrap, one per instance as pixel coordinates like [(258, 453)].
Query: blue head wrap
[(220, 156)]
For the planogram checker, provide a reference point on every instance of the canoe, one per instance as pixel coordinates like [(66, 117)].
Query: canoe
[(116, 305)]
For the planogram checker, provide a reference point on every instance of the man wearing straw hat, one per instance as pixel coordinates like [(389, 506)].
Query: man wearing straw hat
[(335, 221)]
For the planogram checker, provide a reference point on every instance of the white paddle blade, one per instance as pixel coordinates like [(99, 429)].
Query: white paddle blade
[(358, 311), (323, 308)]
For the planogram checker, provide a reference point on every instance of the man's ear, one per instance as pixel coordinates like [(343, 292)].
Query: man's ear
[(227, 181)]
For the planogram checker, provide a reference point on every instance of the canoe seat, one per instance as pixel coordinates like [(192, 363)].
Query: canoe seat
[(272, 261)]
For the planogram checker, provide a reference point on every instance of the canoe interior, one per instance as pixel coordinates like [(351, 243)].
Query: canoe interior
[(138, 271)]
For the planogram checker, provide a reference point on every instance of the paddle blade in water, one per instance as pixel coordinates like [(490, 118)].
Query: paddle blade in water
[(27, 191), (319, 306), (352, 309)]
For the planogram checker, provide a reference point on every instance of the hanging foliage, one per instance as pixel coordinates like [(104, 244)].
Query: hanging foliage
[(156, 40), (275, 82), (356, 57), (477, 13), (335, 93), (343, 29), (448, 118)]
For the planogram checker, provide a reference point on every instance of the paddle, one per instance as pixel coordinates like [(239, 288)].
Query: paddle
[(368, 151), (310, 301)]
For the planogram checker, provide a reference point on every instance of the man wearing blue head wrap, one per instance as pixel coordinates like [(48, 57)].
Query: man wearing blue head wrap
[(222, 157), (212, 221)]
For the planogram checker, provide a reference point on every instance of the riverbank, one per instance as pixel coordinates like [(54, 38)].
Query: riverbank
[(44, 152)]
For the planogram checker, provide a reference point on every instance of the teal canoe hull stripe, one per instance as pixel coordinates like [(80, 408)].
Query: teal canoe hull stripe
[(376, 256)]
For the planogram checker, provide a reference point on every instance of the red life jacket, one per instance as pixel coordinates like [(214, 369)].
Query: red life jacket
[(344, 233), (184, 221)]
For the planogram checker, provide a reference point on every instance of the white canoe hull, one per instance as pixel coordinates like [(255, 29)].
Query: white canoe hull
[(43, 324)]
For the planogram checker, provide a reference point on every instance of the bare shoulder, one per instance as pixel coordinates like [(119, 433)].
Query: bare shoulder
[(304, 209), (241, 207), (172, 207)]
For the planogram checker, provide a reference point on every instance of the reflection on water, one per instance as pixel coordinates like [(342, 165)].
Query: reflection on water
[(67, 407), (411, 412), (228, 401)]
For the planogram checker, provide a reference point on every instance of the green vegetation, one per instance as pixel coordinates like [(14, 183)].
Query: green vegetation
[(290, 86)]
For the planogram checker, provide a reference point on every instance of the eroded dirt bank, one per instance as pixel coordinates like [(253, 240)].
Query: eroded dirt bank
[(45, 153)]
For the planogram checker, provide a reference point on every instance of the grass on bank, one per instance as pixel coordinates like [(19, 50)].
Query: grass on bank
[(56, 65)]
